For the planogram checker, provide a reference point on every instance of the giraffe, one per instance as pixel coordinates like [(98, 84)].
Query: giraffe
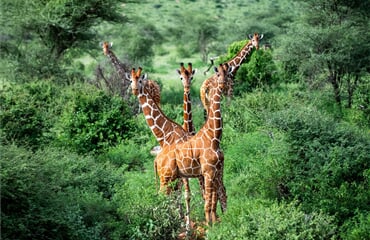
[(117, 64), (186, 76), (200, 155), (165, 130), (235, 63)]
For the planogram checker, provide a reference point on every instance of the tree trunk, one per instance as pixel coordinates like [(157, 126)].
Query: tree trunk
[(351, 87), (334, 79)]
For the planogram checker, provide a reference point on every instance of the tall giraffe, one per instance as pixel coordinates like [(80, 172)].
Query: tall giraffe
[(200, 155), (117, 64), (165, 130), (235, 62), (186, 76)]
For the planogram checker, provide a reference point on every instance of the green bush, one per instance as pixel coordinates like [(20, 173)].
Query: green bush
[(328, 162), (53, 194), (93, 121), (257, 219), (357, 227), (28, 112), (127, 154), (145, 213), (257, 164)]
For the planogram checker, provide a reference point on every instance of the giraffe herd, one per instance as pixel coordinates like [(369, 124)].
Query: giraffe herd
[(185, 153)]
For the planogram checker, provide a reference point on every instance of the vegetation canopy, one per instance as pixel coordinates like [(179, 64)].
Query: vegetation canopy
[(75, 146)]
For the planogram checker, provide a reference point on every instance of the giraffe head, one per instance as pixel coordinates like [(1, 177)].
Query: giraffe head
[(186, 75), (222, 72), (255, 39), (106, 46), (136, 80)]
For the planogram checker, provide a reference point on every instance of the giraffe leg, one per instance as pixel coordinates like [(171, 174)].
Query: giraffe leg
[(207, 199), (179, 197), (214, 199), (187, 202), (201, 185), (222, 197)]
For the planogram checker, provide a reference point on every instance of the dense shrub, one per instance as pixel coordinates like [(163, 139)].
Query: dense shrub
[(28, 112), (258, 219), (260, 170), (127, 154), (357, 227), (53, 194), (145, 213), (328, 162), (92, 121)]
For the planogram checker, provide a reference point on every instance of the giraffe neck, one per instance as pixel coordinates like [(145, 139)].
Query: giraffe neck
[(165, 130), (213, 124), (240, 57), (188, 117), (117, 64)]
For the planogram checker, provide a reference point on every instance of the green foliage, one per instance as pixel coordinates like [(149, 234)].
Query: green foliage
[(127, 154), (259, 72), (270, 220), (28, 112), (247, 112), (93, 121), (42, 38), (138, 43), (147, 215), (329, 43), (54, 194), (357, 227), (328, 162), (261, 169)]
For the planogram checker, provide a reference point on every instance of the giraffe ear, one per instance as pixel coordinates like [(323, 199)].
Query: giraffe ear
[(128, 77), (261, 36), (178, 72), (144, 76), (230, 70), (215, 69), (194, 71), (110, 44), (101, 44), (250, 36)]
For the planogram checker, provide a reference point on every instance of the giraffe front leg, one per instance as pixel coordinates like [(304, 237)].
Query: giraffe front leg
[(187, 202), (207, 199), (214, 199)]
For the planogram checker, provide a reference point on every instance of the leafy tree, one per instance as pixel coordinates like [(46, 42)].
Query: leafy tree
[(40, 34), (331, 38)]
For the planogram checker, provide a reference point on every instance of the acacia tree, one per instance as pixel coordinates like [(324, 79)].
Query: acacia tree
[(37, 35), (331, 38)]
